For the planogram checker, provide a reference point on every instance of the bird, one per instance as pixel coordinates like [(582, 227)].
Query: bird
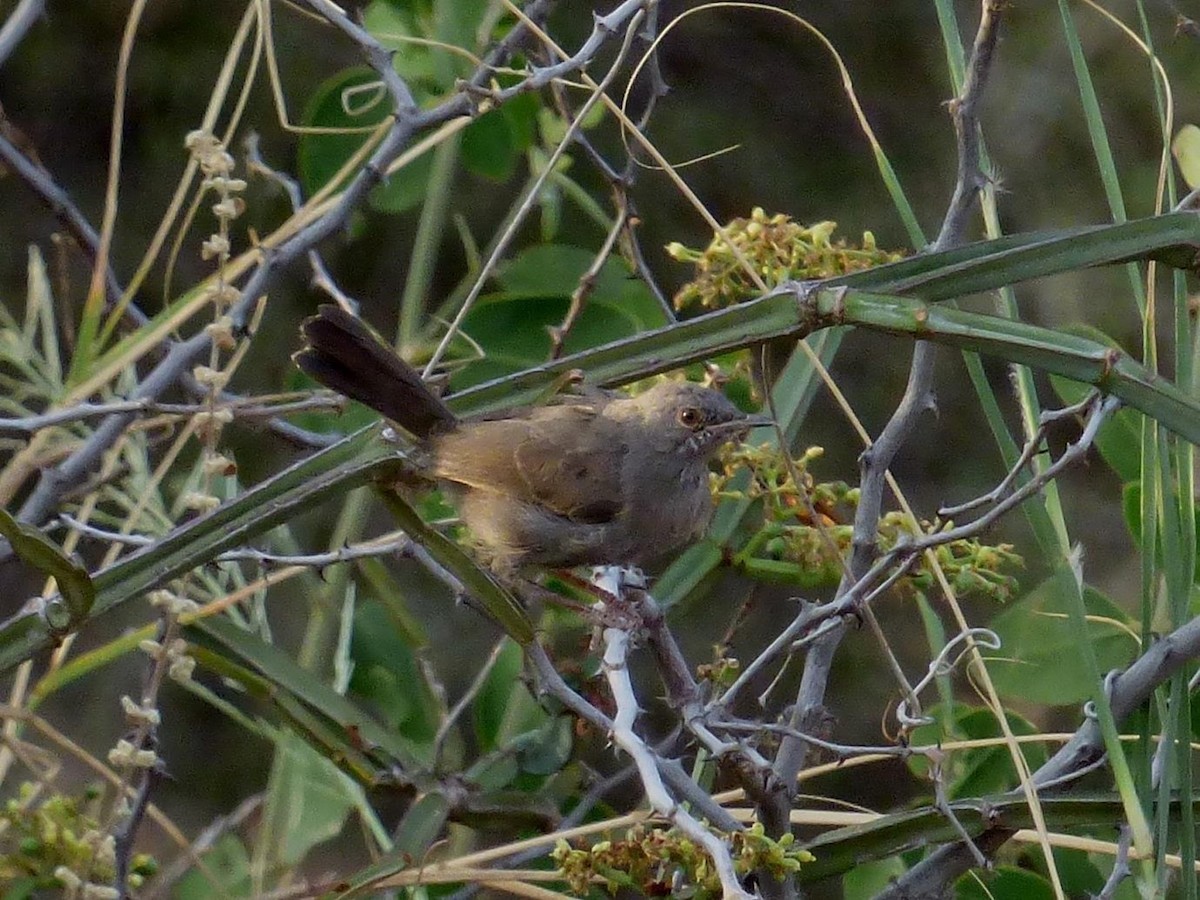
[(589, 480)]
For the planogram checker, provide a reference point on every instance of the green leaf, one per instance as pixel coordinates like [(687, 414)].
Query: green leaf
[(404, 190), (545, 269), (979, 770), (842, 849), (307, 802), (546, 750), (74, 584), (1005, 883), (387, 674), (488, 147), (1039, 661), (504, 708), (341, 722), (521, 113), (1119, 440), (420, 827), (229, 863), (391, 23), (865, 881), (513, 325), (335, 104), (1131, 509), (1186, 149), (1079, 875)]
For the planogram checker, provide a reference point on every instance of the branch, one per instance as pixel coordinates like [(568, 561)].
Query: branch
[(616, 653), (809, 711), (17, 25), (55, 482)]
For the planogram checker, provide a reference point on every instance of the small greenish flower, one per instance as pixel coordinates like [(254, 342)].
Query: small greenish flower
[(778, 250)]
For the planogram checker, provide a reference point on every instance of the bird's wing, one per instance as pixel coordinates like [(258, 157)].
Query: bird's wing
[(566, 459)]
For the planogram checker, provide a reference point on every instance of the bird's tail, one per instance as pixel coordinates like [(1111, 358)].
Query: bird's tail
[(344, 354)]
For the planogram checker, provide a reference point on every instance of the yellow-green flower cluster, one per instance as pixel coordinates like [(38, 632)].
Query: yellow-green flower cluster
[(804, 534), (663, 863), (779, 250), (57, 844)]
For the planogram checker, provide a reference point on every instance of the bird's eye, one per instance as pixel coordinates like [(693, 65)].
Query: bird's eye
[(690, 417)]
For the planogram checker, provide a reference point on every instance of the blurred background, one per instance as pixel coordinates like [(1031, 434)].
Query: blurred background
[(736, 77)]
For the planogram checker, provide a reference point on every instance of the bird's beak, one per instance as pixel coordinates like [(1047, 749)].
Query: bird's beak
[(740, 426)]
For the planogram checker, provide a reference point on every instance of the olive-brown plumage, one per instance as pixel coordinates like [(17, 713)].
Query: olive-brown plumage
[(597, 480)]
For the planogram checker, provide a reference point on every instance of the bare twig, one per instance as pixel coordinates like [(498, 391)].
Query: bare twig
[(809, 710), (624, 736), (465, 700), (1120, 870), (587, 284), (672, 772), (628, 15), (204, 841), (240, 407), (17, 25), (59, 202), (321, 278), (55, 482)]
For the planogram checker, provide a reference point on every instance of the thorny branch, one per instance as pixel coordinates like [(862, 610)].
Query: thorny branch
[(893, 565), (409, 120), (240, 407), (616, 652), (808, 711), (818, 626)]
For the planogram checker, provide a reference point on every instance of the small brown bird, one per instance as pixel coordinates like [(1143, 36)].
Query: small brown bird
[(585, 481)]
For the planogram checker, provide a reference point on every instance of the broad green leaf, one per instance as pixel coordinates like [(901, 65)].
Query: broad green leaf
[(458, 22), (521, 113), (391, 23), (1131, 509), (504, 707), (979, 770), (420, 827), (489, 148), (1005, 883), (386, 674), (545, 269), (1039, 661), (404, 190), (553, 127), (336, 104), (1120, 438), (865, 881), (307, 802), (1186, 149), (513, 325), (548, 749), (1080, 876), (229, 863)]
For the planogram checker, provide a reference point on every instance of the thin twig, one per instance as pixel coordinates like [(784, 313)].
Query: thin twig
[(808, 710), (64, 209), (1120, 870), (624, 736), (629, 14), (17, 25), (53, 483), (240, 407), (321, 278), (221, 825), (468, 696)]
